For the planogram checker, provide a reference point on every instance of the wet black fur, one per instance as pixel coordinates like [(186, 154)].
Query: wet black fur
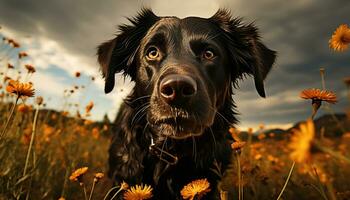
[(206, 156)]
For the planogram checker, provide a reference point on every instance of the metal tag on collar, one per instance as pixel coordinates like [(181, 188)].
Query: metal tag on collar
[(162, 154)]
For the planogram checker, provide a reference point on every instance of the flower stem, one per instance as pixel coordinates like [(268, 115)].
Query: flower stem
[(109, 191), (240, 190), (331, 152), (9, 118), (92, 189), (115, 195), (31, 141), (287, 180), (322, 70), (84, 190)]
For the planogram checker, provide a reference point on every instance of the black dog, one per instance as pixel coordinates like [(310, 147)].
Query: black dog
[(173, 127)]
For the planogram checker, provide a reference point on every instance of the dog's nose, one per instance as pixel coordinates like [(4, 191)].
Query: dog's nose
[(175, 89)]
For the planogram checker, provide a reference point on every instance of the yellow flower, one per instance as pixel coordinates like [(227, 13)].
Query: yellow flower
[(197, 188), (237, 146), (302, 141), (234, 133), (98, 176), (77, 174), (20, 89), (138, 192), (340, 39), (124, 186), (319, 95)]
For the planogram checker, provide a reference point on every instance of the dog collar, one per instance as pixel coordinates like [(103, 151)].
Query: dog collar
[(162, 154)]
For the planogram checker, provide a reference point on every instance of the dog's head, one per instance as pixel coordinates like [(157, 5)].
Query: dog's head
[(186, 67)]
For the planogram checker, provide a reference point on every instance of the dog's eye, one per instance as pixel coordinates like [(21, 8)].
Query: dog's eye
[(208, 54), (152, 53)]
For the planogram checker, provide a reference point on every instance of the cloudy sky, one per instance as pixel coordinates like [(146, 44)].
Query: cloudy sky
[(61, 37)]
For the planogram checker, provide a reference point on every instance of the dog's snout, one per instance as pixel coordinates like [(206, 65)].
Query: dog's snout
[(177, 88)]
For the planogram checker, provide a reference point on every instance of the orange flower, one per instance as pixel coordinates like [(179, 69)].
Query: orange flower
[(16, 45), (95, 133), (89, 107), (48, 132), (124, 185), (261, 136), (237, 146), (347, 81), (20, 89), (6, 78), (302, 141), (197, 188), (10, 66), (22, 55), (138, 192), (319, 95), (77, 74), (340, 39), (30, 68), (24, 108), (77, 174), (98, 176), (87, 122)]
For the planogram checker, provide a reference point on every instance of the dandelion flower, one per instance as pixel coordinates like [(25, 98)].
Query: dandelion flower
[(237, 146), (317, 96), (39, 100), (98, 176), (197, 188), (89, 107), (30, 68), (9, 66), (77, 174), (234, 134), (320, 95), (24, 108), (77, 74), (22, 55), (302, 141), (138, 192), (6, 78), (20, 89), (124, 186), (340, 39), (347, 81)]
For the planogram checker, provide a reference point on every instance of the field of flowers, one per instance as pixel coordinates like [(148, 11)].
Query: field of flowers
[(62, 154)]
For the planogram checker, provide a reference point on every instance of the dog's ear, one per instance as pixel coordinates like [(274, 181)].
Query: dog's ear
[(117, 55), (249, 54)]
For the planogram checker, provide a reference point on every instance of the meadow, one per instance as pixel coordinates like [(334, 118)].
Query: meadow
[(62, 154)]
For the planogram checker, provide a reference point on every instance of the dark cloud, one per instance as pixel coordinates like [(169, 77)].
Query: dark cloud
[(79, 25), (298, 30)]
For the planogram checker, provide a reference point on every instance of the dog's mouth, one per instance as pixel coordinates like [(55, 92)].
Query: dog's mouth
[(179, 127)]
